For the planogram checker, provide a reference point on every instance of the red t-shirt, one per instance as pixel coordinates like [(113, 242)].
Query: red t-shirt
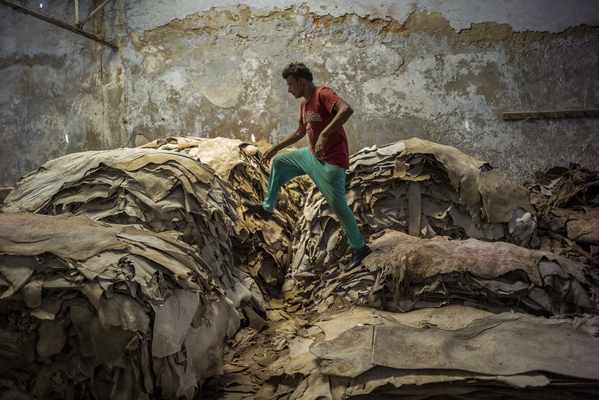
[(316, 115)]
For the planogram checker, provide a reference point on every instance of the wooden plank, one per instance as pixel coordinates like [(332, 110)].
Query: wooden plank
[(584, 112), (53, 21)]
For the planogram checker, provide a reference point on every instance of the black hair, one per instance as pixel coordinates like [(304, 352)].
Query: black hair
[(298, 70)]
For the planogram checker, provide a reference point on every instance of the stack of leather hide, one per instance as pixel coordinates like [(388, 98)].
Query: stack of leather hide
[(122, 283), (264, 248)]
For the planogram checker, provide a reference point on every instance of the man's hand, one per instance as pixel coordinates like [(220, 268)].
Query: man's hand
[(342, 113), (299, 133), (319, 148), (270, 153)]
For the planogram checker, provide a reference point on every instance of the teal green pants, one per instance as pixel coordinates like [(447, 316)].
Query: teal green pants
[(329, 179)]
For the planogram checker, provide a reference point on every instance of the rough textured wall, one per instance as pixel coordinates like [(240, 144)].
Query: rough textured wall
[(419, 69), (438, 70), (59, 91)]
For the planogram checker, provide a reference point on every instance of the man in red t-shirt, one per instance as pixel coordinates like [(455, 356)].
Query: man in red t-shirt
[(322, 116)]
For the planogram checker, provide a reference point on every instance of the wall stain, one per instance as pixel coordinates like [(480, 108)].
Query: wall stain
[(218, 73), (47, 60), (220, 22), (451, 88)]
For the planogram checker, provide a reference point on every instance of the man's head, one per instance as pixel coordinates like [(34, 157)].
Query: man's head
[(298, 78), (297, 70)]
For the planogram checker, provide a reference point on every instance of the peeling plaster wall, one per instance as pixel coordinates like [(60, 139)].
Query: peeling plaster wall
[(443, 71), (438, 70), (532, 15), (59, 92)]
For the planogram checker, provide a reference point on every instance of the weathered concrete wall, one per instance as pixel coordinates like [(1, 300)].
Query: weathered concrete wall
[(443, 71), (59, 92)]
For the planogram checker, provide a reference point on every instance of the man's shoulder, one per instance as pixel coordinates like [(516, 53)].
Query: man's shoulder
[(326, 92), (324, 88)]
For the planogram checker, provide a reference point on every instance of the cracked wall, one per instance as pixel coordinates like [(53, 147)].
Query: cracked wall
[(59, 92), (429, 69), (217, 73)]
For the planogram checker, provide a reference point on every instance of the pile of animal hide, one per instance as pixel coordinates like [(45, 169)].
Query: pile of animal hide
[(405, 273), (157, 190), (107, 310), (263, 248), (4, 192), (124, 273), (448, 352), (127, 284), (567, 203), (417, 187)]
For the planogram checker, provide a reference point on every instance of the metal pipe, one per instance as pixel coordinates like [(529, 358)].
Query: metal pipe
[(93, 13), (43, 17)]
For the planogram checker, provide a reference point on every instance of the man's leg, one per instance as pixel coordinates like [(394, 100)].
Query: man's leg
[(284, 167), (330, 180)]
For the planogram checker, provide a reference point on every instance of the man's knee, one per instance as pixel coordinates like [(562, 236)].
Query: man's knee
[(277, 162), (281, 160), (284, 160)]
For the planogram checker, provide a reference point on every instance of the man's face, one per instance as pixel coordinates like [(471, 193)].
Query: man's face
[(295, 86)]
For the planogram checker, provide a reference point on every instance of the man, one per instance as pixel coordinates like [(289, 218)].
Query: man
[(322, 116)]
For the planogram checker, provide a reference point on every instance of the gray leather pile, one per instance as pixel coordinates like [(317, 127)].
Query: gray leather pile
[(158, 190), (448, 233), (449, 352), (567, 203), (263, 248), (405, 273), (120, 275), (127, 274), (421, 188)]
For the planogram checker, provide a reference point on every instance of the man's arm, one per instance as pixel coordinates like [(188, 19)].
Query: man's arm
[(299, 133), (343, 112)]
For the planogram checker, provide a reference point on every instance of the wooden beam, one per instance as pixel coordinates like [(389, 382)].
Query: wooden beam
[(92, 14), (584, 112), (53, 21)]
